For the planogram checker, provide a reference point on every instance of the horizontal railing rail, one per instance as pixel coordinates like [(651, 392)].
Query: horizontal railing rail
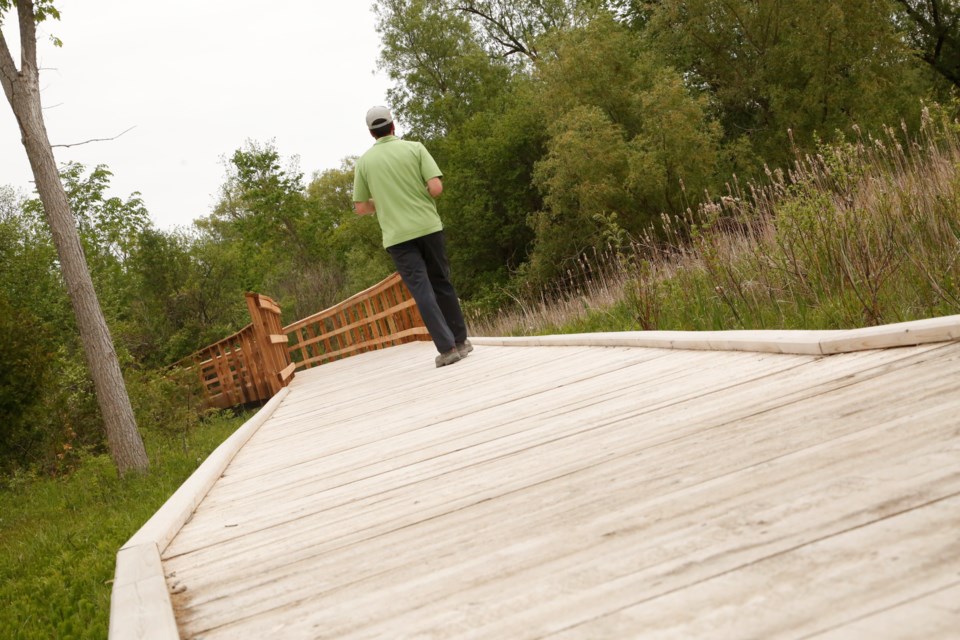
[(253, 364), (382, 316)]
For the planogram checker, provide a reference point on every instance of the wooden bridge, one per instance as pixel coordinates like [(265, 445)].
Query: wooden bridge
[(632, 485)]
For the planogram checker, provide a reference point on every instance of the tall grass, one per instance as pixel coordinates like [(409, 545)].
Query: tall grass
[(863, 232)]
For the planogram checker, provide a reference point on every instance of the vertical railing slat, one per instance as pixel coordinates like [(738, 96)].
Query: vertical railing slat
[(248, 366)]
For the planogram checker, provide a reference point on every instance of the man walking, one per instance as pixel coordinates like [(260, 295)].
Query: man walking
[(398, 181)]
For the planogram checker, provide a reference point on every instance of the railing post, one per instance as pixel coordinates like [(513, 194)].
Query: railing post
[(256, 362), (271, 342)]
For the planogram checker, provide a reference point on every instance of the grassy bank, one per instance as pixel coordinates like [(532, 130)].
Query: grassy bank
[(862, 233), (59, 536)]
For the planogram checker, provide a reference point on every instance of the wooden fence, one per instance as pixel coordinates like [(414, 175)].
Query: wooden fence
[(256, 362), (381, 316)]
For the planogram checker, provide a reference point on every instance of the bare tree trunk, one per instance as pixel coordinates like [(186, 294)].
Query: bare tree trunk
[(23, 93)]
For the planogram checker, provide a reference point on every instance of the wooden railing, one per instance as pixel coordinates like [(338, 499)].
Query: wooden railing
[(381, 316), (256, 362)]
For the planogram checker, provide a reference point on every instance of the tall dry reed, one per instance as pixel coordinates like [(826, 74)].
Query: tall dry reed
[(863, 232)]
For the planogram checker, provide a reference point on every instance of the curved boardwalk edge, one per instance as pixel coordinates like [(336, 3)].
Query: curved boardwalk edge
[(140, 605), (903, 334)]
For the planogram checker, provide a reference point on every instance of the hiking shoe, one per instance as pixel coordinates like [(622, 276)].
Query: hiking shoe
[(463, 348), (448, 358)]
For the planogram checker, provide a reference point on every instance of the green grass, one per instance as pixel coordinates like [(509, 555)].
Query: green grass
[(59, 536)]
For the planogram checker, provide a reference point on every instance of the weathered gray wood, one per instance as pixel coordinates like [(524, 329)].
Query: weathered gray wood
[(902, 334), (140, 603), (585, 492)]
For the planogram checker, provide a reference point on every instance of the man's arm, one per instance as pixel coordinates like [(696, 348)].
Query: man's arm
[(434, 187), (364, 208)]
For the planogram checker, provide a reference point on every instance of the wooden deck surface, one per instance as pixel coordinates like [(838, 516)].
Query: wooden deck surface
[(589, 492)]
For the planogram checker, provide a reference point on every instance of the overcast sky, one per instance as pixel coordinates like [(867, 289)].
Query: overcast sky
[(196, 79)]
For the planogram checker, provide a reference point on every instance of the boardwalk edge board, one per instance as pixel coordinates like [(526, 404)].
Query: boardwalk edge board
[(140, 605), (816, 343)]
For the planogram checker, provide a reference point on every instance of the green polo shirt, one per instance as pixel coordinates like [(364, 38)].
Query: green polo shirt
[(394, 173)]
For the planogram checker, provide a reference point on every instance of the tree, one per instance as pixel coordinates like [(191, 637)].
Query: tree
[(628, 142), (355, 243), (285, 235), (442, 74), (812, 67), (933, 28), (22, 89), (489, 191), (514, 27)]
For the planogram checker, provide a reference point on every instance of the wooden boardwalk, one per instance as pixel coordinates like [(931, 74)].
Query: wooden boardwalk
[(586, 492)]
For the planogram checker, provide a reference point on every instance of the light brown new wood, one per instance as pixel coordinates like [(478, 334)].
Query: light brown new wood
[(355, 325), (589, 492)]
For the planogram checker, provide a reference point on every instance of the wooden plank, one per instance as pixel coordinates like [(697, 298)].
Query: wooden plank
[(505, 394), (140, 605), (266, 304), (818, 586), (287, 372), (384, 284), (169, 519), (481, 557), (438, 473), (572, 452), (586, 492), (934, 614), (912, 333), (260, 353), (358, 347)]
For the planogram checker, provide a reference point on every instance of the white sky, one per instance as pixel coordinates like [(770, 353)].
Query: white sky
[(197, 78)]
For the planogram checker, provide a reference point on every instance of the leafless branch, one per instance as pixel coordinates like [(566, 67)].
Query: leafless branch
[(77, 144)]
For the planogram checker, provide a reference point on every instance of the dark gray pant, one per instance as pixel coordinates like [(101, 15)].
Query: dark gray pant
[(423, 266)]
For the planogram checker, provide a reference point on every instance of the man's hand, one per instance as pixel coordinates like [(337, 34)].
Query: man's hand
[(364, 208)]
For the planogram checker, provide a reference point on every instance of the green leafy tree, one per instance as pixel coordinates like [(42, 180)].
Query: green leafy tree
[(283, 236), (516, 27), (354, 242), (582, 177), (631, 142), (933, 29), (489, 190), (26, 344), (21, 87), (109, 225), (807, 66), (441, 72)]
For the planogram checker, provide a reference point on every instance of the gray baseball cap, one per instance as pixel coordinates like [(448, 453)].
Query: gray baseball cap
[(378, 117)]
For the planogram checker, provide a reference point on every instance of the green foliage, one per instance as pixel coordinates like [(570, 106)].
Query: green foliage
[(861, 233), (631, 142), (488, 191), (564, 128), (442, 72), (59, 536), (23, 367), (582, 176), (932, 27), (519, 27), (805, 66), (42, 10), (354, 243)]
